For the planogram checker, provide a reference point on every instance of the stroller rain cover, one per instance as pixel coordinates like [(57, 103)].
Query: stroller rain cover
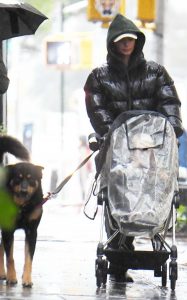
[(140, 172)]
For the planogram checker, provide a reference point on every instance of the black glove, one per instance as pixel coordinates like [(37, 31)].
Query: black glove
[(93, 140)]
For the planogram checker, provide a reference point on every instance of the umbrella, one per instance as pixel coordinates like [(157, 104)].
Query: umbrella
[(18, 18)]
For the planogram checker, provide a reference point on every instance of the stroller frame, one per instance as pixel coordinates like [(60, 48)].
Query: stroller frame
[(155, 260)]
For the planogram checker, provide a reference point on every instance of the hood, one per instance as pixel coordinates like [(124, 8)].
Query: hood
[(120, 25)]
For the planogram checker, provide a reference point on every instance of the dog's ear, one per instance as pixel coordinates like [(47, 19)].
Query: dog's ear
[(39, 170), (8, 172), (8, 169)]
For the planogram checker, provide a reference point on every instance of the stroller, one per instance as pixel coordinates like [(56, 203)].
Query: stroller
[(137, 170)]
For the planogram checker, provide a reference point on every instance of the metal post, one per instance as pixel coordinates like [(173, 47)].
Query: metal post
[(61, 72), (3, 97), (62, 81), (160, 11)]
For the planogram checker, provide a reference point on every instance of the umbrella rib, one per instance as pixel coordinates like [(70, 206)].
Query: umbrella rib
[(19, 20), (13, 22)]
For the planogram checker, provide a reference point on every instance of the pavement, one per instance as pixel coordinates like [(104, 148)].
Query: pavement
[(64, 262)]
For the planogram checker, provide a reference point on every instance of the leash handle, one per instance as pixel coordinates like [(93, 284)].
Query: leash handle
[(46, 198)]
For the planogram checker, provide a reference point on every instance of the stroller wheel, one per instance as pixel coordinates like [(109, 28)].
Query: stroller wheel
[(99, 278), (173, 274), (105, 271), (101, 268), (164, 274), (173, 283)]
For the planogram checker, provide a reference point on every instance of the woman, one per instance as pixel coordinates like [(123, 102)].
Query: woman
[(128, 82)]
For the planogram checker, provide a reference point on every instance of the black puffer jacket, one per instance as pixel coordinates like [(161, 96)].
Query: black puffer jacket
[(143, 85)]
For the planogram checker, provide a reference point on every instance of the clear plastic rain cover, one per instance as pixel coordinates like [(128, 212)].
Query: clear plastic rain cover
[(140, 171)]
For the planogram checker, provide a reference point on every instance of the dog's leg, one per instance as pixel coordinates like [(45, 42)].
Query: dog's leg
[(30, 244), (8, 242), (2, 266), (27, 271)]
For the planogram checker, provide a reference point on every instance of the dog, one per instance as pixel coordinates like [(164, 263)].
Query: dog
[(23, 182)]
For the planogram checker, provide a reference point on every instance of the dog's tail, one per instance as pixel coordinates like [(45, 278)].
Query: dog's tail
[(14, 147)]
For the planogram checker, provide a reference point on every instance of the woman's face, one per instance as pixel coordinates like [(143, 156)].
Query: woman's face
[(126, 46)]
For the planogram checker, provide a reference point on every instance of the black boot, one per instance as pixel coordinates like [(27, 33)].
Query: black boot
[(121, 278), (119, 275)]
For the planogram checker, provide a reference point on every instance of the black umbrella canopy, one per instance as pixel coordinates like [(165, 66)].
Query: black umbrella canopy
[(18, 18)]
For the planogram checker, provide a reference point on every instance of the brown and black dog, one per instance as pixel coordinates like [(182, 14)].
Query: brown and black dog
[(23, 182)]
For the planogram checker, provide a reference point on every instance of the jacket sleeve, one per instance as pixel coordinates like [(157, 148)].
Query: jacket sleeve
[(4, 81), (168, 101), (100, 117)]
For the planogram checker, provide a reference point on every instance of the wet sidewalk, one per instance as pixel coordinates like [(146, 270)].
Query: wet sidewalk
[(64, 263)]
